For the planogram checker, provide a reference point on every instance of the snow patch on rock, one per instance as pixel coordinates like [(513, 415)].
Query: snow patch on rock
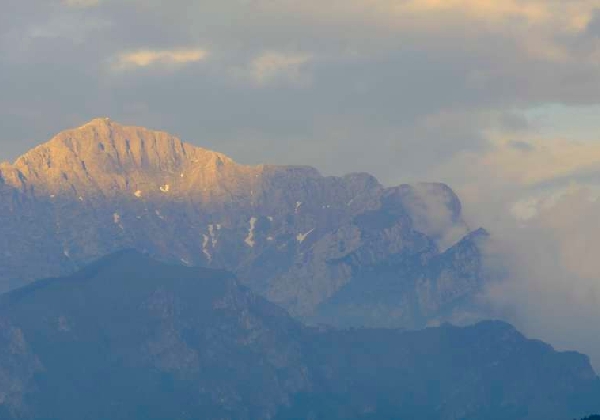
[(117, 220), (205, 250), (250, 238), (302, 236), (213, 236)]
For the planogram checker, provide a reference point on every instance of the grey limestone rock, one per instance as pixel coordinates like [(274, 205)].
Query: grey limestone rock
[(289, 233)]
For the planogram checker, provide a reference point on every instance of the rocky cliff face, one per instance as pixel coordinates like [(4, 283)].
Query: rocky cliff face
[(131, 338), (307, 242)]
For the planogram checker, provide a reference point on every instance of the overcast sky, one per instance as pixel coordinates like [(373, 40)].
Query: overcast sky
[(394, 87), (500, 99)]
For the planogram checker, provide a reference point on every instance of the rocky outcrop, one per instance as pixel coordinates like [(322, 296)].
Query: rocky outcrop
[(289, 233)]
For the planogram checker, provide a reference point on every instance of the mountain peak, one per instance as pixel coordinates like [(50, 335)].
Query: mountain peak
[(107, 156), (99, 121)]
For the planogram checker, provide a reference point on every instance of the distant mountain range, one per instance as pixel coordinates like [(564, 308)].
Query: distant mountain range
[(131, 338), (344, 251)]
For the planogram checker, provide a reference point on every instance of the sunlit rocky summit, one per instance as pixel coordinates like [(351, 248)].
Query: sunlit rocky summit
[(339, 250)]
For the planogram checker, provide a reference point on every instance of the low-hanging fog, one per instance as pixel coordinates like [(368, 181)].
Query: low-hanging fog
[(542, 209)]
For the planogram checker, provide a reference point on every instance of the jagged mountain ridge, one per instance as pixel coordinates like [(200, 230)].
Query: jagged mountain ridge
[(132, 338), (289, 233)]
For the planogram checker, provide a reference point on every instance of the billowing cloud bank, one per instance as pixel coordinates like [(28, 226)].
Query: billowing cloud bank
[(541, 202), (553, 286)]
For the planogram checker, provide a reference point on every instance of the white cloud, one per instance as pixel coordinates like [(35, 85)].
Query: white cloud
[(567, 15), (145, 58), (274, 67), (431, 207), (539, 198), (552, 285), (545, 160), (519, 173)]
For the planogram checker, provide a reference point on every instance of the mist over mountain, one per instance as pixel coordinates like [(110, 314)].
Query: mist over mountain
[(337, 250), (299, 210), (132, 338)]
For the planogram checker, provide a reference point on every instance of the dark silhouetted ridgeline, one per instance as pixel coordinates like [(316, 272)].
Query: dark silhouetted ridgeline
[(131, 338)]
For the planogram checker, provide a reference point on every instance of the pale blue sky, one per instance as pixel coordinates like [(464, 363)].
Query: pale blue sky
[(574, 122)]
